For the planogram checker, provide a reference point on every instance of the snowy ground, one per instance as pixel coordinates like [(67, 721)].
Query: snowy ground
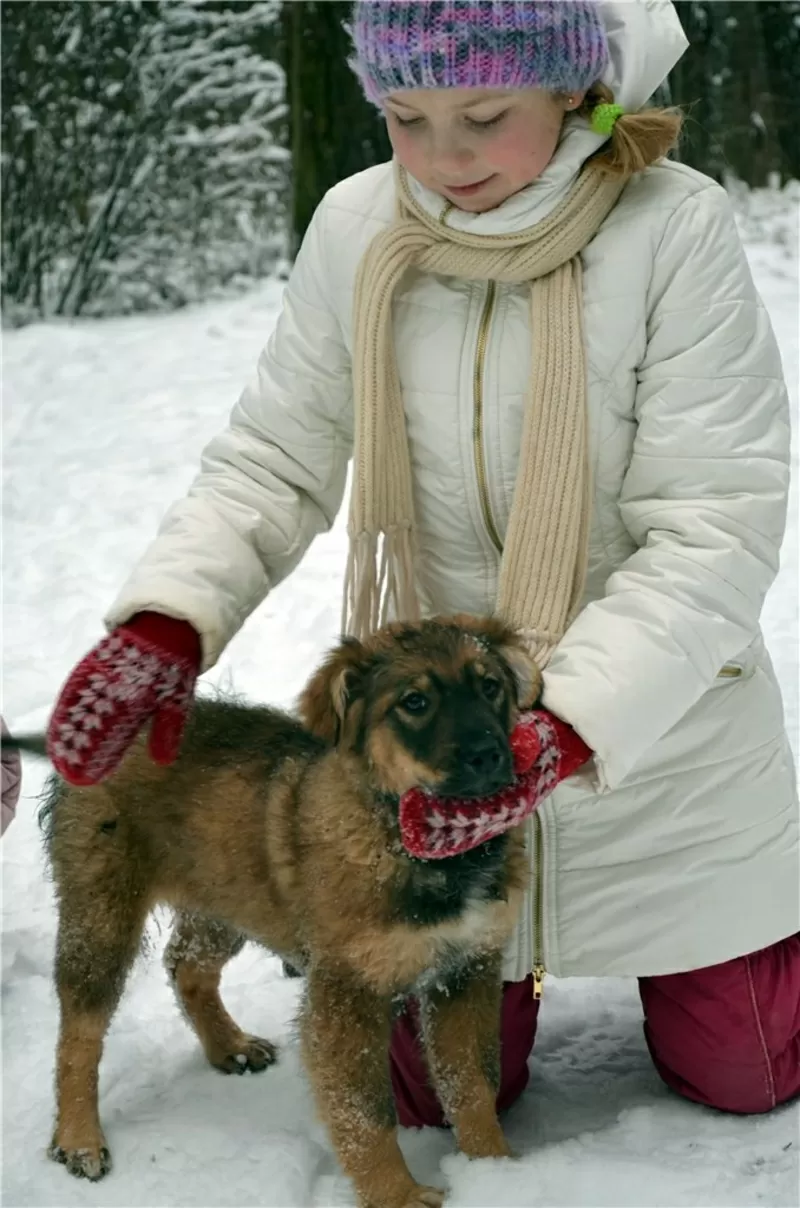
[(103, 422)]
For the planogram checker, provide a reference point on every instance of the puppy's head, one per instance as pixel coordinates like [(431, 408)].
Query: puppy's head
[(429, 705)]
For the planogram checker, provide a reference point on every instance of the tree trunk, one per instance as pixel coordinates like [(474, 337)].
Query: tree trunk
[(334, 131)]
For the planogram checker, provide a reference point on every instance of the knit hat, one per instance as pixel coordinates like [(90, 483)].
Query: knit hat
[(558, 45)]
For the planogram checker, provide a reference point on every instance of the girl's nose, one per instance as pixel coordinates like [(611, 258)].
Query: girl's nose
[(450, 155)]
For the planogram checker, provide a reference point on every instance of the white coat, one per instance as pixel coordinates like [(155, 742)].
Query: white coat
[(678, 845)]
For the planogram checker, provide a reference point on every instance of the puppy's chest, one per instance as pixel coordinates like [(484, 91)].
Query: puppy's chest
[(455, 910), (454, 947), (454, 892)]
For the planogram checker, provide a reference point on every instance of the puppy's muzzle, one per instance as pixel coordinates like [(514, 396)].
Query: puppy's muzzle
[(483, 766)]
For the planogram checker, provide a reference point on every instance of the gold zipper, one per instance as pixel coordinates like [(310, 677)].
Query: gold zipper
[(477, 422), (537, 911), (450, 205)]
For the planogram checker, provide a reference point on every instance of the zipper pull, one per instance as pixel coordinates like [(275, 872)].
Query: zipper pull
[(539, 973)]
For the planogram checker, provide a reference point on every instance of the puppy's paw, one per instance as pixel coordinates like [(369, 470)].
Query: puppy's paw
[(91, 1162), (250, 1053), (415, 1196), (488, 1147), (425, 1197)]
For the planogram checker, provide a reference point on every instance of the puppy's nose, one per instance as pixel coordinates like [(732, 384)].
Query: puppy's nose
[(484, 757)]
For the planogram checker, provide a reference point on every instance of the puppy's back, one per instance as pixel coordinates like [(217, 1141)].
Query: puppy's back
[(195, 820)]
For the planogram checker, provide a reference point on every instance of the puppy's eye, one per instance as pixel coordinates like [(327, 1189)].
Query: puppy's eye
[(491, 687), (414, 702)]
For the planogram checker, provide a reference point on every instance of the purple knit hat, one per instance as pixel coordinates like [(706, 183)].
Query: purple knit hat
[(559, 45)]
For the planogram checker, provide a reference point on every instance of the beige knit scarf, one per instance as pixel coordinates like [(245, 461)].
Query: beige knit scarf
[(543, 566)]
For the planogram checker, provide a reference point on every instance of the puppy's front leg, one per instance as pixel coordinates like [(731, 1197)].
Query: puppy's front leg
[(345, 1030), (461, 1031)]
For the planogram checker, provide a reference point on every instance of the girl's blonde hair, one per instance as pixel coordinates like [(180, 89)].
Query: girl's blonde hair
[(638, 139)]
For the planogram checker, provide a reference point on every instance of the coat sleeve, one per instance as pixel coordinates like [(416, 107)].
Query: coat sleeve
[(11, 782), (269, 483), (704, 497)]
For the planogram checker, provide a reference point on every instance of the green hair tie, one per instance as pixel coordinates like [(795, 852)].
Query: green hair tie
[(605, 117)]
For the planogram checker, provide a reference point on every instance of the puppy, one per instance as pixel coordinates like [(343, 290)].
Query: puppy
[(285, 831)]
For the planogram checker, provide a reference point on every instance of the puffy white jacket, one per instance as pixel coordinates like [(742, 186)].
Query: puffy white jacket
[(678, 846)]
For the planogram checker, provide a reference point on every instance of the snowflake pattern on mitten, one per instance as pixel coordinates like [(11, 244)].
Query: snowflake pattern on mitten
[(434, 828), (110, 695)]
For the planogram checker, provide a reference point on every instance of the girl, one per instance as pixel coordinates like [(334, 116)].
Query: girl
[(541, 343)]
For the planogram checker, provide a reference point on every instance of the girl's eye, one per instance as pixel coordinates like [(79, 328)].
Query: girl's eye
[(491, 687), (406, 122), (414, 702), (493, 121)]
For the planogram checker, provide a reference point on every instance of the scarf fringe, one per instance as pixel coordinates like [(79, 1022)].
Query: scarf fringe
[(380, 581)]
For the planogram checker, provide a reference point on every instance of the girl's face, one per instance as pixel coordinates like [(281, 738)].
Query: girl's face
[(475, 147)]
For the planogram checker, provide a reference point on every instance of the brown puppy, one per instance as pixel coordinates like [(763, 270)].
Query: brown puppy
[(286, 833)]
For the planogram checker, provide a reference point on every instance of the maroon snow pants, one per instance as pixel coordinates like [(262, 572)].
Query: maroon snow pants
[(727, 1036)]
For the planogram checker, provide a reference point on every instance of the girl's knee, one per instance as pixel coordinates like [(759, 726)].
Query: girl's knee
[(729, 1036), (736, 1086)]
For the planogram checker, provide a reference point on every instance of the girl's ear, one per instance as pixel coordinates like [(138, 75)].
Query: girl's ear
[(327, 700)]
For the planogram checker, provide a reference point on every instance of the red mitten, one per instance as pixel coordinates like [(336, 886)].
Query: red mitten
[(146, 668), (546, 750), (573, 752)]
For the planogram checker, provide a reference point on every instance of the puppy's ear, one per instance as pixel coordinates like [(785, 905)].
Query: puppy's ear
[(328, 701), (525, 673)]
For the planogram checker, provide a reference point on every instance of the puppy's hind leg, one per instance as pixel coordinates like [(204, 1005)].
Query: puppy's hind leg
[(198, 950), (98, 937)]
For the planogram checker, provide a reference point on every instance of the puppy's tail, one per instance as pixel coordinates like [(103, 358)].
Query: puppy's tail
[(28, 744)]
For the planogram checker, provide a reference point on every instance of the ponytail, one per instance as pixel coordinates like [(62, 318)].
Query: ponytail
[(637, 140)]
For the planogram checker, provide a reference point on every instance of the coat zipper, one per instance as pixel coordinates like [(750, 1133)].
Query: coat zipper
[(537, 910), (477, 420)]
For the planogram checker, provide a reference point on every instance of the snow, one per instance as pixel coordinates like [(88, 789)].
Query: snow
[(103, 422)]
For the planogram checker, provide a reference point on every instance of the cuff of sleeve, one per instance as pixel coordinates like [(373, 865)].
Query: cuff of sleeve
[(174, 636)]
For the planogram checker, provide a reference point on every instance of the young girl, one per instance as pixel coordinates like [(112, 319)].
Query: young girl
[(542, 346)]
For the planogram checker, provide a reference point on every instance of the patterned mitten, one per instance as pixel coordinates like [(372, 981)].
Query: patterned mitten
[(146, 668), (546, 750)]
